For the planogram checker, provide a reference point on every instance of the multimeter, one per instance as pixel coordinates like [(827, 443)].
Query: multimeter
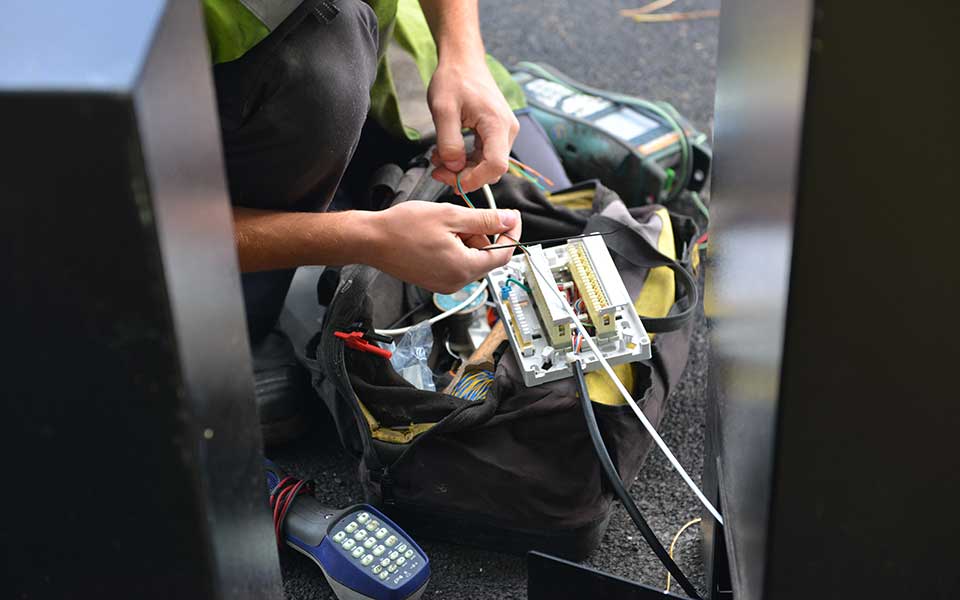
[(645, 151), (362, 553)]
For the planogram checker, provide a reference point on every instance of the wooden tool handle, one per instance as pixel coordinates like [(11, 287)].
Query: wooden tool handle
[(482, 357)]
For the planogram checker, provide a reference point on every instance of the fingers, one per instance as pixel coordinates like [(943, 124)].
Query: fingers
[(497, 136), (475, 240), (450, 153), (483, 261), (481, 220)]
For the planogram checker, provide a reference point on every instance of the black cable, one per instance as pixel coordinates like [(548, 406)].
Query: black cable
[(407, 315), (551, 240), (611, 474)]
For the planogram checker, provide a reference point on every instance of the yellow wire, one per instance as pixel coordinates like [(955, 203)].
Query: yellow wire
[(674, 543), (647, 8)]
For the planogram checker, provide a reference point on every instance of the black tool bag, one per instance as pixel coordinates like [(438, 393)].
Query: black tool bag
[(515, 471)]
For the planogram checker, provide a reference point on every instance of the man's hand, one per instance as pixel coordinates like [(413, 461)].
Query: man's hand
[(464, 95), (435, 246)]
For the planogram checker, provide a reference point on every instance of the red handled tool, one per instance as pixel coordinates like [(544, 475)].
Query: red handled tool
[(359, 340)]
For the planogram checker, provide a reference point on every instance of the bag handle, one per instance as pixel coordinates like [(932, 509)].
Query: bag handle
[(639, 252)]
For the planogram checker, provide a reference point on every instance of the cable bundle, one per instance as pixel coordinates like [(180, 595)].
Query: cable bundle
[(281, 499), (473, 386)]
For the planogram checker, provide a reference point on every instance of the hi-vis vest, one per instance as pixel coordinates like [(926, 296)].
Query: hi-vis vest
[(398, 99)]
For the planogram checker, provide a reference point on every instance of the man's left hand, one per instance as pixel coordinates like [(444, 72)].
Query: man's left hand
[(463, 94)]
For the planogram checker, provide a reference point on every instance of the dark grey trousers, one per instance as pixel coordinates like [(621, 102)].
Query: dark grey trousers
[(291, 112)]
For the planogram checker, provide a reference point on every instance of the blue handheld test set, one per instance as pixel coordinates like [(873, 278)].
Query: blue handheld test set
[(362, 553)]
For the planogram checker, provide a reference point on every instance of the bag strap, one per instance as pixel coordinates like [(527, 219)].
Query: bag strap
[(639, 252)]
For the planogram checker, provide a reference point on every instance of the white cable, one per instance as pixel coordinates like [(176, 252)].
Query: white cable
[(488, 194), (473, 296), (626, 396)]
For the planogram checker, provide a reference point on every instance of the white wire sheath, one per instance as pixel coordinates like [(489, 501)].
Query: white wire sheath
[(488, 194), (626, 396), (473, 296)]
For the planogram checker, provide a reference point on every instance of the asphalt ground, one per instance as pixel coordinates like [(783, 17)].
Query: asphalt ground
[(592, 43)]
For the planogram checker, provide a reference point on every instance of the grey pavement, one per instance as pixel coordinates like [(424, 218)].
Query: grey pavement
[(590, 42)]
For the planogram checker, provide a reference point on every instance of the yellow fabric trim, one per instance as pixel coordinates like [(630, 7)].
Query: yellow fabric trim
[(659, 290), (575, 200), (401, 436), (655, 300), (392, 435)]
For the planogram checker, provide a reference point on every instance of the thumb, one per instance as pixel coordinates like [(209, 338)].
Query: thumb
[(483, 220)]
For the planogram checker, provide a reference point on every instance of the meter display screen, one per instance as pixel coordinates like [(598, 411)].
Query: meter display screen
[(626, 124)]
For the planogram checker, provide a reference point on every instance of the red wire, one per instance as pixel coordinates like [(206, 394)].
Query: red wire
[(281, 499), (703, 238), (278, 487), (276, 512)]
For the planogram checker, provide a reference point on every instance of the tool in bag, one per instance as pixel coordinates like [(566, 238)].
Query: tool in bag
[(645, 151), (362, 553), (503, 465)]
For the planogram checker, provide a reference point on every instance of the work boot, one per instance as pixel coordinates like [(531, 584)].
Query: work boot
[(282, 389)]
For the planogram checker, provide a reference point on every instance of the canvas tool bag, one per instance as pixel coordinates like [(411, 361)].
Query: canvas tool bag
[(514, 471)]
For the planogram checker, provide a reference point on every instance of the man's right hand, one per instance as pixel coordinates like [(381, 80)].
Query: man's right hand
[(436, 245)]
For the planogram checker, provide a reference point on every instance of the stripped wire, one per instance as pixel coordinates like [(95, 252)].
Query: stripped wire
[(527, 168), (521, 173), (522, 285)]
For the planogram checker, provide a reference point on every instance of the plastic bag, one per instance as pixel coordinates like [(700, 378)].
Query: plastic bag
[(410, 357)]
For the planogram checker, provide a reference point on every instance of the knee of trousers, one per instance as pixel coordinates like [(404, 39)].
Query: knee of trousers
[(332, 67)]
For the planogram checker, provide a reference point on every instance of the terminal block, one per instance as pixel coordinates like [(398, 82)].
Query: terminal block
[(522, 325), (538, 323), (556, 320), (598, 282)]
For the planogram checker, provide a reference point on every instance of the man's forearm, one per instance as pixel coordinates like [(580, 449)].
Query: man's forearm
[(268, 240), (455, 25)]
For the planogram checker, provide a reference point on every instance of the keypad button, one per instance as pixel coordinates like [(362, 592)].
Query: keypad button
[(391, 540), (381, 533), (392, 568), (379, 550), (363, 518), (402, 548), (372, 525), (393, 555), (385, 562), (376, 569), (339, 536), (400, 561), (357, 552), (408, 554), (351, 527), (360, 535), (367, 560), (348, 544), (383, 575), (370, 542)]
